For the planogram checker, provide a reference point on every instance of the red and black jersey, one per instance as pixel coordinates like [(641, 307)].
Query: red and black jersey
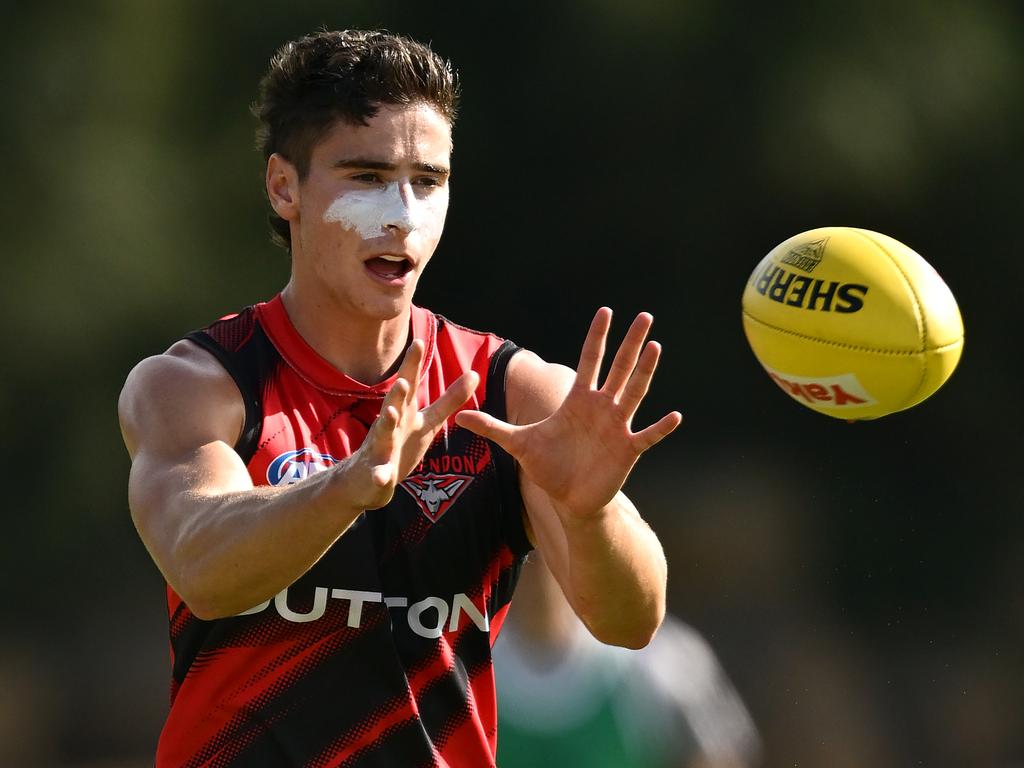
[(380, 655)]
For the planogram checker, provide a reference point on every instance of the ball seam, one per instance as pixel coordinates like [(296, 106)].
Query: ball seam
[(922, 321), (854, 347)]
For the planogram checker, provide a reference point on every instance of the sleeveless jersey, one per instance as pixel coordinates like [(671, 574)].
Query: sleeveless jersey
[(380, 655)]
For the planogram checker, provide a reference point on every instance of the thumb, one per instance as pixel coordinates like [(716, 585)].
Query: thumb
[(485, 425)]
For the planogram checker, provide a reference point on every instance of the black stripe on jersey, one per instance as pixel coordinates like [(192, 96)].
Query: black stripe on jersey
[(187, 636), (503, 588), (474, 648), (508, 475), (495, 395), (250, 364), (445, 703), (403, 744), (179, 620), (298, 707)]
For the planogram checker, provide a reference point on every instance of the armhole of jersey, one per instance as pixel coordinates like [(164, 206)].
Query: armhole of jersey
[(247, 441), (495, 403)]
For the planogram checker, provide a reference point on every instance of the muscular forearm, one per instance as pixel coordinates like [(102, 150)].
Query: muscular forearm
[(229, 551), (616, 573), (247, 546)]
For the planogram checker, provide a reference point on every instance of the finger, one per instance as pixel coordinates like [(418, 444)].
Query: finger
[(640, 380), (387, 423), (657, 432), (593, 349), (504, 434), (397, 397), (410, 368), (459, 392), (380, 442), (627, 355), (390, 417)]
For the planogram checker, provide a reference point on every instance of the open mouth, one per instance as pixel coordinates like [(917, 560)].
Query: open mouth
[(388, 266)]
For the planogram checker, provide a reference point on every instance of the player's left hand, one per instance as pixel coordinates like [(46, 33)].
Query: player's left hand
[(582, 453)]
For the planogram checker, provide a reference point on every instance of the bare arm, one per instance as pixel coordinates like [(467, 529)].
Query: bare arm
[(609, 564), (221, 543), (575, 447)]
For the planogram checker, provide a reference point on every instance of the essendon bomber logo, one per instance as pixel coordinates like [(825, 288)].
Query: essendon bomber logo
[(436, 493), (292, 466)]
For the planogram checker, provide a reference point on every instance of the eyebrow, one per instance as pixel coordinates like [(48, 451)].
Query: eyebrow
[(380, 165)]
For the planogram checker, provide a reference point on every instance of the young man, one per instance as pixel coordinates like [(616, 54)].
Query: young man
[(348, 618)]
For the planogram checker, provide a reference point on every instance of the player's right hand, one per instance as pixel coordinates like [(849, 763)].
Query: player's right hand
[(400, 435)]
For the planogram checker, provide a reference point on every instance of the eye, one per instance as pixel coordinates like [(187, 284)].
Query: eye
[(427, 181), (367, 177)]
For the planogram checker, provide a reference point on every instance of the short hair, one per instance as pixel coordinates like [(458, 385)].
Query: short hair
[(328, 76)]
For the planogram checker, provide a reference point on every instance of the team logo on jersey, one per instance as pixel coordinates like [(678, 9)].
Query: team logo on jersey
[(436, 493), (292, 466)]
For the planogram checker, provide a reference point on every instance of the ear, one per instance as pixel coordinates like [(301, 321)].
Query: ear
[(283, 187)]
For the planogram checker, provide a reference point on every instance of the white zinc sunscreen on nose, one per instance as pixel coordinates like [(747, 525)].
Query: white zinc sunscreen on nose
[(369, 212)]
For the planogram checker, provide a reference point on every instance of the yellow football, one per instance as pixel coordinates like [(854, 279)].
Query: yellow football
[(852, 323)]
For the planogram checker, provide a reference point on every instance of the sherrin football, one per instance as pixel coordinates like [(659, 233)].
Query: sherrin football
[(852, 323)]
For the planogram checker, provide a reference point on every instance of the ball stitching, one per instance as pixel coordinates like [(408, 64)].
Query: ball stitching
[(846, 345), (922, 326)]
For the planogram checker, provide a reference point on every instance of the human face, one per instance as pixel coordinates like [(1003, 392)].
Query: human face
[(371, 210)]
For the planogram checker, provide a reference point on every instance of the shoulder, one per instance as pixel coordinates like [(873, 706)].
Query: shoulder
[(181, 389), (460, 336), (535, 387), (458, 348), (183, 367)]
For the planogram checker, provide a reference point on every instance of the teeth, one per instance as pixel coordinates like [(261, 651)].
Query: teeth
[(389, 257)]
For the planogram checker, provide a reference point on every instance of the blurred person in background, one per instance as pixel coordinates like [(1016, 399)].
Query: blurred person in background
[(566, 699), (340, 487)]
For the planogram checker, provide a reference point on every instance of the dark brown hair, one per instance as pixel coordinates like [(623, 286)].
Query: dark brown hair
[(345, 75)]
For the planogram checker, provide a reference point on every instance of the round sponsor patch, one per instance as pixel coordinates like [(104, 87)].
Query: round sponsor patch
[(292, 466)]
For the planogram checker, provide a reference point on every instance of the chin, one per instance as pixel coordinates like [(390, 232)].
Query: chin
[(384, 309)]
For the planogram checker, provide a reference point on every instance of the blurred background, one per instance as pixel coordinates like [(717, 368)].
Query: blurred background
[(859, 583)]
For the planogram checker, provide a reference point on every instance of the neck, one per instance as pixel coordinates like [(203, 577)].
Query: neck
[(365, 348)]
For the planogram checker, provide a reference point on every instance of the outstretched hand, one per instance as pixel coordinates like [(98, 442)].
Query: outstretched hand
[(582, 453), (401, 434)]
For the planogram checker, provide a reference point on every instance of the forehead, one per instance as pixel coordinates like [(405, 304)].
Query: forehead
[(397, 133)]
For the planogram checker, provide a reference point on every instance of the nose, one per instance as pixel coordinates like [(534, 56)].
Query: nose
[(398, 210)]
